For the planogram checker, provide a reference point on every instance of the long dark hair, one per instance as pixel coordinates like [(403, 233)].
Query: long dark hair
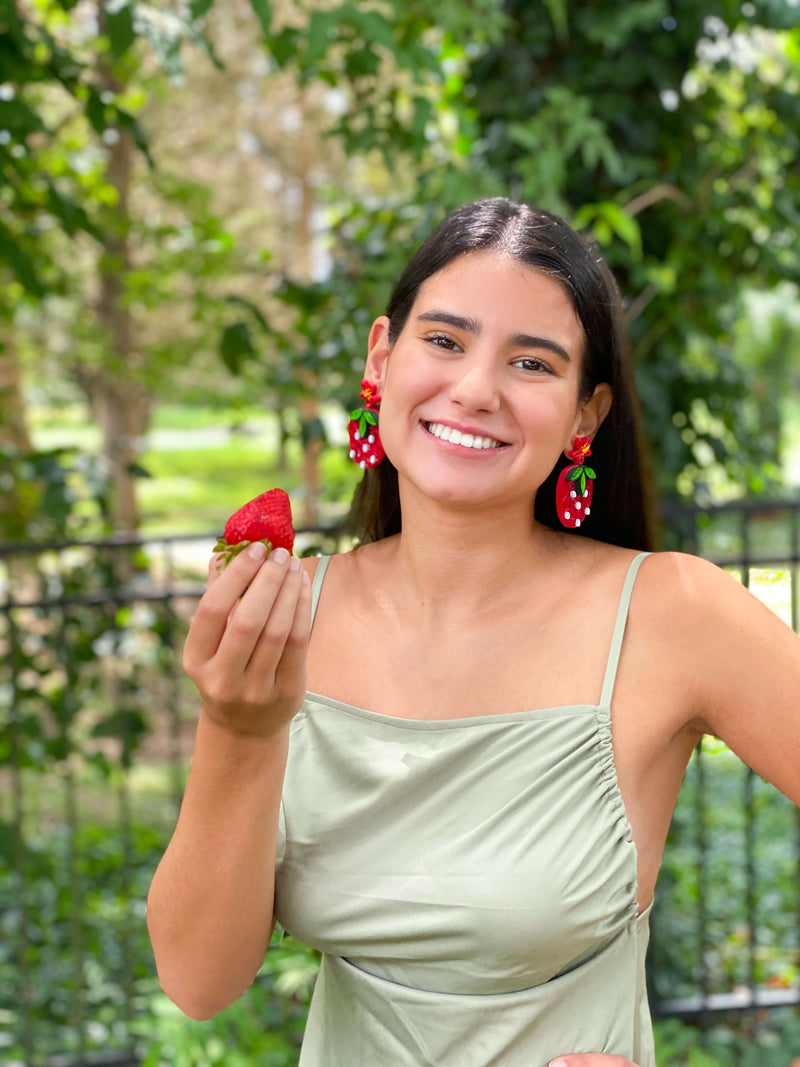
[(620, 508)]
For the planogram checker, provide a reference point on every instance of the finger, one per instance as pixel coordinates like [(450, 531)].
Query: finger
[(591, 1059), (211, 619), (215, 568), (262, 605), (292, 667), (276, 629)]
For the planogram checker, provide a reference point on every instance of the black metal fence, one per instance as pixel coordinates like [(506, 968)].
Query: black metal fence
[(97, 728)]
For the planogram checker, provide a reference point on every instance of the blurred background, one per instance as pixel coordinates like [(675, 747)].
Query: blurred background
[(203, 205)]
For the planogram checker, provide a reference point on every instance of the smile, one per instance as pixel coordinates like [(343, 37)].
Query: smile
[(456, 437)]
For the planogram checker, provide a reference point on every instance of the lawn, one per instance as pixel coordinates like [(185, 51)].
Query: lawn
[(203, 463)]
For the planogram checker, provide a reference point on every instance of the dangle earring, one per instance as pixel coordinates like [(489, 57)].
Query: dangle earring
[(365, 441), (575, 486)]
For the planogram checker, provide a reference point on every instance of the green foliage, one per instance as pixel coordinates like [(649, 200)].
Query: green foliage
[(775, 1043), (90, 967), (55, 494), (679, 961)]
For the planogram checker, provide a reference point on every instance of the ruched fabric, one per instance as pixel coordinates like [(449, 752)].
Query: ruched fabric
[(470, 882)]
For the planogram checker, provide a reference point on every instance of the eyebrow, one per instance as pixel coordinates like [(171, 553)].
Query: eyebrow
[(471, 325)]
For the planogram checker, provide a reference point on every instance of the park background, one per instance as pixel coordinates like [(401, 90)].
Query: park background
[(202, 208)]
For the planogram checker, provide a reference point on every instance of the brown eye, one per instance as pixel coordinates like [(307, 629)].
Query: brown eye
[(532, 363), (441, 340)]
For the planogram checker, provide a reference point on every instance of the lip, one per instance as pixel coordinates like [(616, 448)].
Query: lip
[(463, 428)]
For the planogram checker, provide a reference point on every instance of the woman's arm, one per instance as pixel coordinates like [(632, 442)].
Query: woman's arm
[(209, 910), (741, 664)]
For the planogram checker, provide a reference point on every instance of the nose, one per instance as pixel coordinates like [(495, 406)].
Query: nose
[(475, 387)]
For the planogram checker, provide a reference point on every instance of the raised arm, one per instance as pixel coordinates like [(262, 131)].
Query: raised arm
[(209, 910)]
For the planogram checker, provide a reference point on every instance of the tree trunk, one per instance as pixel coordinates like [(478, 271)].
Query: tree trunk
[(14, 506), (120, 404), (309, 405), (13, 422)]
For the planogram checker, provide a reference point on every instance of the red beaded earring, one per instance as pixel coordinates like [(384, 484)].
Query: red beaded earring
[(365, 441), (575, 486)]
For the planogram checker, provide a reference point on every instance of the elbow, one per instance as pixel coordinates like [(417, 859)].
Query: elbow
[(199, 1004)]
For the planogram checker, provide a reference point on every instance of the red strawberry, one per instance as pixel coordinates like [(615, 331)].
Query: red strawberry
[(574, 495), (267, 518)]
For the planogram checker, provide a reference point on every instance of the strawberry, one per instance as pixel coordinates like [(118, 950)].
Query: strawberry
[(575, 487), (267, 518)]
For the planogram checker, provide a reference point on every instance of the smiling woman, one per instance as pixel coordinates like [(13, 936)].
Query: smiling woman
[(565, 273), (458, 785)]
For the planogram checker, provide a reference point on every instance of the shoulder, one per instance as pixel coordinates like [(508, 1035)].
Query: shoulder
[(738, 659), (695, 608), (691, 592), (345, 564)]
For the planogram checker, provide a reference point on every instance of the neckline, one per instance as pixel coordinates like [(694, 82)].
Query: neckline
[(609, 676), (555, 712)]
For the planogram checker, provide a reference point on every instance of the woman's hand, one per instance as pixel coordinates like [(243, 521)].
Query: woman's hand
[(591, 1059), (246, 647)]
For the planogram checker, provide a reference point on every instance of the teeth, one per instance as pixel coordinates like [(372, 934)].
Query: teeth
[(468, 440)]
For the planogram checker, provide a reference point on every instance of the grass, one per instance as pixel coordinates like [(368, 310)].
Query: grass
[(194, 491), (203, 463)]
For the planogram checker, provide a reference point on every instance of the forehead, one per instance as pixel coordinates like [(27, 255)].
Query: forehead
[(502, 293)]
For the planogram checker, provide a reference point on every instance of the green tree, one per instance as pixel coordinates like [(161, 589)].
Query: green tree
[(669, 131), (97, 236)]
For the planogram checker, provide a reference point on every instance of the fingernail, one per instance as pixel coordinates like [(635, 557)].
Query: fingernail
[(294, 564), (281, 556), (557, 1063), (257, 550)]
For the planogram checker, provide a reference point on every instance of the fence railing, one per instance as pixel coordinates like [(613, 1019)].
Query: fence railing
[(96, 732)]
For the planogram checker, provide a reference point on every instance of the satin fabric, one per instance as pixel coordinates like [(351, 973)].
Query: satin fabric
[(470, 882)]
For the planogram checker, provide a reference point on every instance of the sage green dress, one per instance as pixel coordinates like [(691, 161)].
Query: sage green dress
[(470, 882)]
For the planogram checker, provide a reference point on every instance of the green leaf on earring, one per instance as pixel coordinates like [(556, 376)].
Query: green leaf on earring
[(590, 473), (574, 474)]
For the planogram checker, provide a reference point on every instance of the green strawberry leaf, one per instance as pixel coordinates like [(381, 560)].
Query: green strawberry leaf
[(574, 474), (356, 414), (589, 472), (362, 424), (371, 418), (583, 480)]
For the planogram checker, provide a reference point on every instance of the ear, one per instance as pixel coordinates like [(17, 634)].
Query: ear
[(591, 413), (378, 352)]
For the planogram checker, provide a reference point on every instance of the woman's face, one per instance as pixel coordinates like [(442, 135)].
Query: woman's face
[(480, 392)]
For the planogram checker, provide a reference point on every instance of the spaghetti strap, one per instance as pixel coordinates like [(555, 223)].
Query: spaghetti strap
[(316, 586), (619, 630)]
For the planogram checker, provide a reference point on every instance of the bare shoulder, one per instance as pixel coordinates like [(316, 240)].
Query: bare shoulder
[(695, 610), (675, 580), (344, 565)]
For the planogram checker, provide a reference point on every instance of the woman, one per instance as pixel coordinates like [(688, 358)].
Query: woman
[(451, 823)]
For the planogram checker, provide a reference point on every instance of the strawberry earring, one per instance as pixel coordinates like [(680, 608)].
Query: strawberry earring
[(575, 486), (365, 441)]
